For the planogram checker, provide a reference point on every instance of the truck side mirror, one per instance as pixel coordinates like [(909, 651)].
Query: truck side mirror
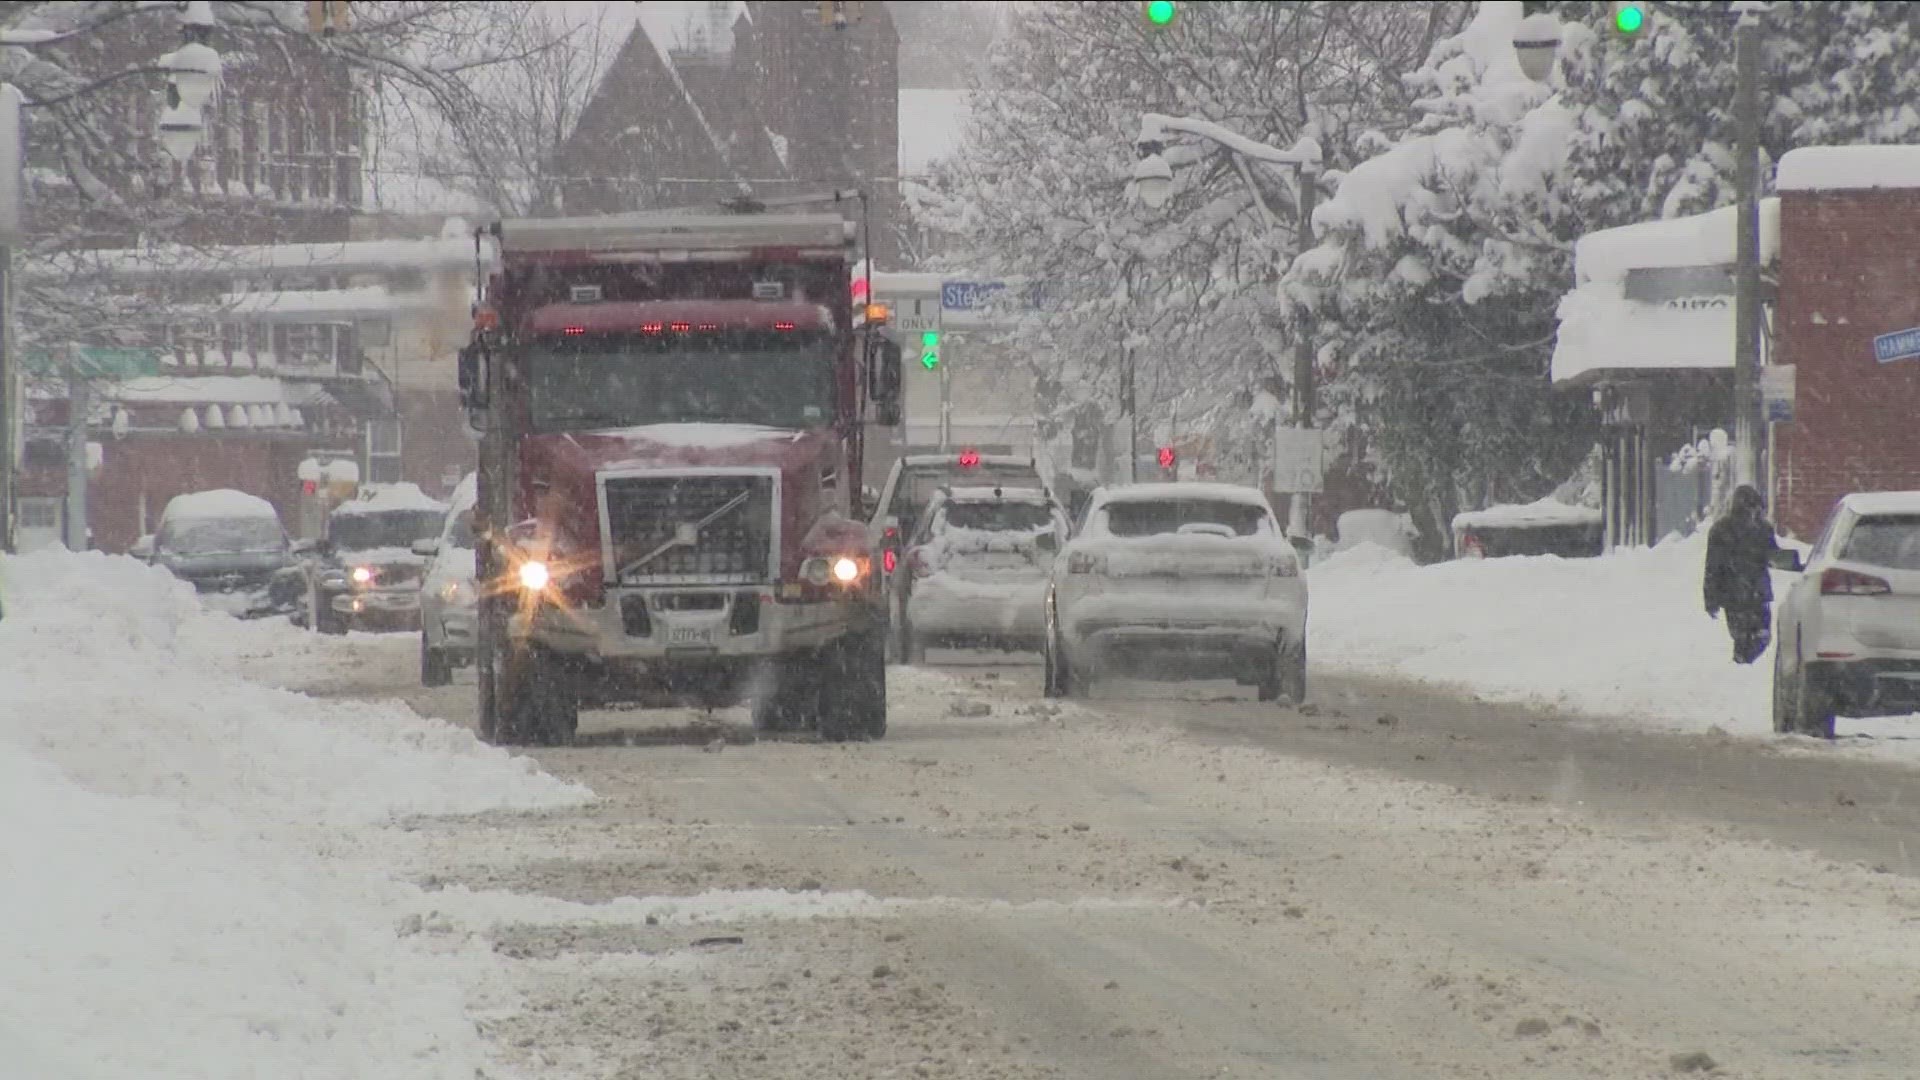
[(883, 381), (473, 377)]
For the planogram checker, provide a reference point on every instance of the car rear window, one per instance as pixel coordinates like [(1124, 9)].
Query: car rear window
[(1141, 518), (1892, 542), (921, 485), (999, 516)]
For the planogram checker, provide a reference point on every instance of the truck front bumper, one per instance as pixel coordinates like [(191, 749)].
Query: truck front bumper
[(642, 627)]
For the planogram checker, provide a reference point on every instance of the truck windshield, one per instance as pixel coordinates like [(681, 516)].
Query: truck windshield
[(776, 378)]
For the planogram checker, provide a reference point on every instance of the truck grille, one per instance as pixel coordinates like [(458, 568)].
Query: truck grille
[(654, 523)]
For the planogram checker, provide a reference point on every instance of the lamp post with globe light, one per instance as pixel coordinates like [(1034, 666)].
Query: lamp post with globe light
[(193, 77), (1153, 185)]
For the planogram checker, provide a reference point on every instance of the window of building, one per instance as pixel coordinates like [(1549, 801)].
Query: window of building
[(383, 451)]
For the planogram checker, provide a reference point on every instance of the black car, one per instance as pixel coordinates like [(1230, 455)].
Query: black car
[(231, 547)]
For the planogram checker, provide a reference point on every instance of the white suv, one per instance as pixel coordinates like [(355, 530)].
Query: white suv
[(1848, 641)]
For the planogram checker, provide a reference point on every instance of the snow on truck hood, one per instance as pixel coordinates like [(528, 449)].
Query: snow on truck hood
[(691, 445)]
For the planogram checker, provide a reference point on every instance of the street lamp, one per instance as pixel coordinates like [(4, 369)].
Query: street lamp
[(1152, 176), (1536, 40), (1153, 183), (193, 77)]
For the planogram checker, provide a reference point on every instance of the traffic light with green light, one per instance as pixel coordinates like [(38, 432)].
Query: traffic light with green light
[(1160, 12), (929, 349), (1629, 17)]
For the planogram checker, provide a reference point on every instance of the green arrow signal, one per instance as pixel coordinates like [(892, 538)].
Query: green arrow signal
[(929, 360)]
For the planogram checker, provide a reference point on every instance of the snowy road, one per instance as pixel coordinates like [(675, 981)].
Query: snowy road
[(1184, 886)]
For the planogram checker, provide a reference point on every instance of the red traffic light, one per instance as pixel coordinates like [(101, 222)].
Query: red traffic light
[(969, 459), (1166, 457)]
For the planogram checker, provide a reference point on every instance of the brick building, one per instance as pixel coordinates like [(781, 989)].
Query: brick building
[(742, 98), (1649, 331), (211, 376), (1849, 272)]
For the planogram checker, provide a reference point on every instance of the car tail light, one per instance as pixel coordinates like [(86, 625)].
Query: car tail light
[(917, 560), (1837, 582), (1470, 547), (890, 560)]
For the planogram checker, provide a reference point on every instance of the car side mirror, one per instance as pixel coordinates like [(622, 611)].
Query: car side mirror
[(1047, 542), (884, 381), (472, 374), (142, 548), (1786, 559), (426, 547), (1302, 549)]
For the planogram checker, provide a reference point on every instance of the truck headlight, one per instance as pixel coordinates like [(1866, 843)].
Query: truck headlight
[(362, 575), (534, 575), (846, 571)]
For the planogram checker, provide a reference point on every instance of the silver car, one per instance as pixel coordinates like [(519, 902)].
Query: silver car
[(1177, 581), (448, 600), (1849, 632)]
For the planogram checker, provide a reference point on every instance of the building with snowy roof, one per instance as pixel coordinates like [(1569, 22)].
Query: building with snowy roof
[(1649, 330)]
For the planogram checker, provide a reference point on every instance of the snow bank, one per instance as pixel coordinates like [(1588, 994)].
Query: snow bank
[(1848, 168), (1622, 636), (222, 503), (107, 665), (192, 899)]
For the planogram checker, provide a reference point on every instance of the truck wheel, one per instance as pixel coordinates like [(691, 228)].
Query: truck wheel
[(539, 701), (790, 701), (435, 668), (853, 688)]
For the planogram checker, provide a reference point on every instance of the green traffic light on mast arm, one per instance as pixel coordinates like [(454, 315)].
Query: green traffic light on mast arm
[(1629, 18), (1161, 12), (929, 349)]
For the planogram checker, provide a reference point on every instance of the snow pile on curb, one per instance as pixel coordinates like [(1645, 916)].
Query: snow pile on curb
[(190, 889), (110, 667), (1623, 635)]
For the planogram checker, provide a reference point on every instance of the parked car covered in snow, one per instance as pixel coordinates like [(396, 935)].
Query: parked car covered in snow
[(449, 604), (365, 573), (1848, 636), (975, 572), (1547, 527), (1177, 581), (231, 547), (1383, 528)]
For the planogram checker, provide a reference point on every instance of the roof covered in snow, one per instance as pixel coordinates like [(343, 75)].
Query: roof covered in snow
[(222, 503), (213, 389), (355, 256), (387, 498), (1707, 239), (1876, 503), (1848, 168), (1602, 330), (1546, 512), (1172, 492), (1601, 333)]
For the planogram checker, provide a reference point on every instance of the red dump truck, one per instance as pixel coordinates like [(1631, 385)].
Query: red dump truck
[(671, 407)]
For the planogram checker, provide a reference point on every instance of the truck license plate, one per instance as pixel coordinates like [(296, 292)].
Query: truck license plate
[(689, 635)]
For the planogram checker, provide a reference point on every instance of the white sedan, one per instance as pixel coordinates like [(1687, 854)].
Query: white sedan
[(1177, 581), (1849, 634)]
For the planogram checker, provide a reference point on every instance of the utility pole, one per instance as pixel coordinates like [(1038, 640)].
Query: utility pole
[(946, 406), (1746, 303), (77, 407), (1305, 393), (12, 410)]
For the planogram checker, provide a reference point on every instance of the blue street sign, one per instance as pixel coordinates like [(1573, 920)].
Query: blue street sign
[(1899, 345), (968, 295)]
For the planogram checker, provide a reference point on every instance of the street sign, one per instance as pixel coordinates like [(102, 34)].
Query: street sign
[(1899, 345), (95, 362), (1299, 461), (968, 295), (1777, 391)]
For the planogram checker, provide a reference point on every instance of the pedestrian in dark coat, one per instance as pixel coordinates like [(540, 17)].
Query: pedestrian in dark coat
[(1739, 553)]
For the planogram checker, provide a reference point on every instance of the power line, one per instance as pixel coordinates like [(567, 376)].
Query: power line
[(416, 174)]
